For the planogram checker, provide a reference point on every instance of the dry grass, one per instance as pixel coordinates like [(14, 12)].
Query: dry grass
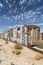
[(32, 63), (6, 42), (38, 56), (12, 64), (0, 49), (0, 61), (39, 44), (13, 51), (17, 52)]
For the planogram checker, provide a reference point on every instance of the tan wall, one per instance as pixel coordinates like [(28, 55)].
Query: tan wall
[(34, 36), (28, 35), (41, 36)]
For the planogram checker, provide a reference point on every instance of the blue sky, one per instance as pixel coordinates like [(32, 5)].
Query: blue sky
[(19, 12)]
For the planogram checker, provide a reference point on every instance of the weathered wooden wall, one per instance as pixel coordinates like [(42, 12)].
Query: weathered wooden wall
[(28, 34)]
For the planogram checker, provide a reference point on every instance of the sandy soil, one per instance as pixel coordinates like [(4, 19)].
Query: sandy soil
[(25, 58)]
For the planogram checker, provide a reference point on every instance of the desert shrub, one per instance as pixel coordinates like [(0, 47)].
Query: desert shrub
[(18, 46), (17, 52), (12, 64), (6, 42), (39, 44), (0, 37), (0, 45), (0, 49), (0, 61), (32, 63), (13, 51), (38, 56)]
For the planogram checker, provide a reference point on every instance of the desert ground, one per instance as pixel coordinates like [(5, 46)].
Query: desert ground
[(25, 58)]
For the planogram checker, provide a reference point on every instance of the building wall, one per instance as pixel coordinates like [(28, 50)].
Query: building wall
[(34, 36), (41, 36), (14, 38), (5, 35), (21, 38), (28, 35)]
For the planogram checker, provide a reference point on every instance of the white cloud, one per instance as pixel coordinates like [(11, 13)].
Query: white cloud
[(22, 1), (5, 18), (30, 15), (22, 8), (40, 24), (41, 16), (39, 0), (30, 2), (40, 8), (15, 10), (7, 1), (14, 1), (10, 11), (8, 18), (1, 5), (10, 5)]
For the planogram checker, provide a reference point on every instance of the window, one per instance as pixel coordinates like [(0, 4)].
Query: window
[(18, 32)]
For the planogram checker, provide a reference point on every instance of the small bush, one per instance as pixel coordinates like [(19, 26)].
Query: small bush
[(17, 52), (40, 44), (0, 61), (12, 64), (32, 63), (13, 51), (18, 46), (38, 56), (0, 49), (6, 42)]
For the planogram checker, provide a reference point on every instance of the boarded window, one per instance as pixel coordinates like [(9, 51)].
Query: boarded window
[(18, 32)]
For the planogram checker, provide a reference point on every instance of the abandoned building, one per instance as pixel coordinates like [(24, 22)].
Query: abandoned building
[(25, 34), (41, 36)]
